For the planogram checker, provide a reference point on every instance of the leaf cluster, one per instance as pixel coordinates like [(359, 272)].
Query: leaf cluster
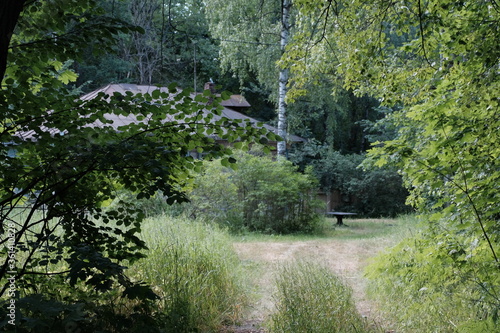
[(438, 62), (441, 279)]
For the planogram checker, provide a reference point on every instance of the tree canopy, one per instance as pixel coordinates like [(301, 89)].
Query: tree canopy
[(436, 64), (437, 59), (62, 160), (430, 69)]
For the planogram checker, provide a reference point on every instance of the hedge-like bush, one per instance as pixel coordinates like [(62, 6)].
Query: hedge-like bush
[(260, 194)]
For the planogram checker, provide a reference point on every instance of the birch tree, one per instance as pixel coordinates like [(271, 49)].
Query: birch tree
[(253, 35), (283, 75)]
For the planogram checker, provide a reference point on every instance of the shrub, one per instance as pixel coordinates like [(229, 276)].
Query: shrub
[(215, 196), (439, 280), (373, 191), (194, 269), (310, 298), (260, 195)]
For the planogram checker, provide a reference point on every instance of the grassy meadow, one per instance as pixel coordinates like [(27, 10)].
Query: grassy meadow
[(206, 281), (209, 280)]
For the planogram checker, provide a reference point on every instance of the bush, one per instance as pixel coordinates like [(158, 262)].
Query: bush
[(310, 298), (215, 196), (194, 269), (439, 280), (373, 192), (260, 195)]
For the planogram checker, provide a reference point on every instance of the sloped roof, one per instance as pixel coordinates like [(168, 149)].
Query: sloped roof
[(116, 121), (235, 101)]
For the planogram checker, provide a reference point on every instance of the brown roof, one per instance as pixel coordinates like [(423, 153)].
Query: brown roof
[(235, 101)]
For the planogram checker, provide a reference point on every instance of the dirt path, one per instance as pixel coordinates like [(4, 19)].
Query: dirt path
[(347, 258)]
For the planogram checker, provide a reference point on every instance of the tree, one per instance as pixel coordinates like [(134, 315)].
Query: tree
[(260, 194), (286, 6), (253, 35), (374, 192), (438, 62), (176, 47), (58, 168), (9, 14)]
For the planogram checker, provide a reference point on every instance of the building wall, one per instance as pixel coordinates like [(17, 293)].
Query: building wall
[(332, 199)]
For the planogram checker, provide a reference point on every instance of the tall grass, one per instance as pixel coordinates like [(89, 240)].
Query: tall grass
[(193, 268), (421, 288), (310, 298)]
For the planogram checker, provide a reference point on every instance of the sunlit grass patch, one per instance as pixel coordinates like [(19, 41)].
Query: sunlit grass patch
[(372, 228), (353, 229)]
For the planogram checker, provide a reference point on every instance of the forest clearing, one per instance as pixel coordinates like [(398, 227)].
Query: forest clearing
[(166, 166), (346, 252)]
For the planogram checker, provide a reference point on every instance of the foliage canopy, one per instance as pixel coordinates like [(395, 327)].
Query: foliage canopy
[(437, 63), (61, 160)]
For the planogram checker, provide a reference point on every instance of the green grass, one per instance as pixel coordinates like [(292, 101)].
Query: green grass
[(195, 271), (375, 228), (190, 265), (310, 298), (353, 229), (203, 285)]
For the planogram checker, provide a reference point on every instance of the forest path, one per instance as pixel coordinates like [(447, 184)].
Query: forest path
[(347, 258)]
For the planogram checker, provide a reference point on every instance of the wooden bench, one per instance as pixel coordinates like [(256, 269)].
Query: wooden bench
[(339, 216)]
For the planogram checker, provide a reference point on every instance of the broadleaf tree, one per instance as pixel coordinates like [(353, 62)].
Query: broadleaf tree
[(61, 159), (253, 35), (176, 46), (437, 63)]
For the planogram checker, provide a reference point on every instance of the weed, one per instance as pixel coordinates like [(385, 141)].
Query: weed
[(193, 268)]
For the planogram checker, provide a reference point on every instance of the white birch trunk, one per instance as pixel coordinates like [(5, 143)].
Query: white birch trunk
[(283, 78)]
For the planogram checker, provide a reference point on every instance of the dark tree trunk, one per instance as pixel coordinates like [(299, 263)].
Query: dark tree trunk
[(9, 15)]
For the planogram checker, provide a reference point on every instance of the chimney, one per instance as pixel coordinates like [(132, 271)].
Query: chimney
[(210, 86)]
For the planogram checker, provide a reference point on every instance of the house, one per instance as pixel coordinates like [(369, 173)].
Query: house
[(233, 108)]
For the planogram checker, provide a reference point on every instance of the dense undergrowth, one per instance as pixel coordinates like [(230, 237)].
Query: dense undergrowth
[(194, 271), (200, 285), (438, 280), (195, 281), (258, 194)]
